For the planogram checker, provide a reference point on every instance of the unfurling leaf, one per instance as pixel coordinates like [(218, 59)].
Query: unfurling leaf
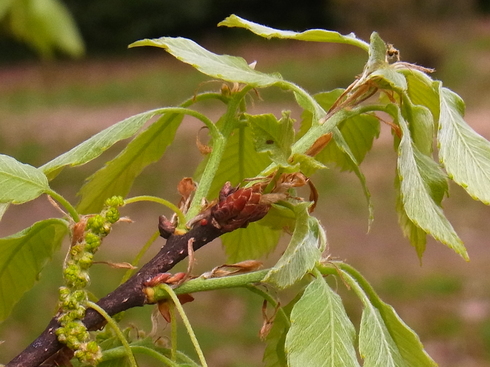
[(421, 126), (23, 256), (321, 333), (464, 153), (20, 182), (422, 90), (304, 250)]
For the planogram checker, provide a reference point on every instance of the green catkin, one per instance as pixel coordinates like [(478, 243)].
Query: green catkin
[(73, 296)]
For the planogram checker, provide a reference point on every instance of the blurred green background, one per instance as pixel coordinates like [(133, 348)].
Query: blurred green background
[(49, 102)]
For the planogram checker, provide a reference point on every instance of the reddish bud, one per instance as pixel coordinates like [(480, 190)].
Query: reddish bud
[(166, 227), (239, 207)]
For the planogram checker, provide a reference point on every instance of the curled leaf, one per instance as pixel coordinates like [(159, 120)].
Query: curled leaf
[(231, 269), (319, 144), (203, 148)]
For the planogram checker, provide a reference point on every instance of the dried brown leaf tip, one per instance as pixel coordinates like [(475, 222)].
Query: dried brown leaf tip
[(165, 305), (232, 269), (203, 148), (237, 207), (186, 188)]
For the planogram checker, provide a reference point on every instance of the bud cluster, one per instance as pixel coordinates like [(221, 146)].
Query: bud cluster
[(237, 207), (87, 236)]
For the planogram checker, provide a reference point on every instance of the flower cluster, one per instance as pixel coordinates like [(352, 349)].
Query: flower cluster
[(87, 236)]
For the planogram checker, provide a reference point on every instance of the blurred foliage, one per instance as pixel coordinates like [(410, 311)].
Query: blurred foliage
[(108, 26), (44, 25)]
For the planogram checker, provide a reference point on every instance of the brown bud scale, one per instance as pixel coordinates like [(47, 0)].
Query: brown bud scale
[(238, 207)]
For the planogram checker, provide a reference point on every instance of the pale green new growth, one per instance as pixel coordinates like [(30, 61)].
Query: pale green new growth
[(304, 250), (384, 339), (252, 242), (314, 35), (97, 144), (321, 333), (20, 182), (422, 186), (22, 257), (464, 153)]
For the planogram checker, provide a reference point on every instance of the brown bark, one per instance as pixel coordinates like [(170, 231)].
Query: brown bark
[(46, 350)]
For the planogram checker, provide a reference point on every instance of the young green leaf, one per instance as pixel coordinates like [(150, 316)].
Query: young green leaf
[(351, 140), (388, 78), (384, 339), (464, 153), (279, 217), (376, 346), (321, 333), (20, 182), (240, 161), (422, 187), (225, 67), (377, 55), (325, 100), (421, 126), (302, 253), (46, 27), (250, 243), (307, 164), (315, 35), (358, 132), (118, 175), (273, 136), (274, 354), (23, 256), (230, 68), (416, 236), (97, 144), (3, 209), (422, 90)]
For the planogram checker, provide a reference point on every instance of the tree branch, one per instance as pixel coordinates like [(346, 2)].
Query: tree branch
[(126, 296), (236, 208)]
